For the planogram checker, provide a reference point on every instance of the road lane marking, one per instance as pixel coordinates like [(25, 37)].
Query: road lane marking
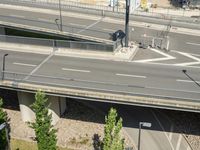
[(179, 142), (75, 70), (167, 57), (91, 25), (160, 124), (109, 30), (38, 66), (166, 89), (129, 75), (188, 148), (188, 63), (43, 19), (22, 64), (175, 51), (189, 81), (17, 16), (171, 132), (190, 43), (79, 25)]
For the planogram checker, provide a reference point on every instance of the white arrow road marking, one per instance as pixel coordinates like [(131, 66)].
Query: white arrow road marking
[(129, 75), (75, 70), (167, 57), (188, 63), (22, 64)]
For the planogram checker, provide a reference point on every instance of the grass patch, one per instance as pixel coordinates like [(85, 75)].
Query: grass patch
[(17, 144)]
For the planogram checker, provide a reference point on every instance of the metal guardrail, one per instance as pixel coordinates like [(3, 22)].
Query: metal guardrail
[(58, 43)]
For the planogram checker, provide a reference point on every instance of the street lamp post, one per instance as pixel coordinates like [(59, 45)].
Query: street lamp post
[(142, 124), (60, 16), (3, 67), (56, 21), (127, 23), (2, 126)]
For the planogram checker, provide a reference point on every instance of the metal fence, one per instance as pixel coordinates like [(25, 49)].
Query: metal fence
[(53, 43)]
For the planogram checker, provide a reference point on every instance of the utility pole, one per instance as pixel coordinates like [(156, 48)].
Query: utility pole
[(127, 23), (60, 16)]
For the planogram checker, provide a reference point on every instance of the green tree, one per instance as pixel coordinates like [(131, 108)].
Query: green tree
[(45, 134), (112, 128), (3, 118)]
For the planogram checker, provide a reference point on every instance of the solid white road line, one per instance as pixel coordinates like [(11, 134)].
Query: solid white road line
[(187, 81), (129, 75), (17, 16), (160, 124), (91, 25), (190, 43), (38, 66), (179, 142), (167, 57), (189, 63), (171, 132), (22, 64), (188, 148), (75, 70)]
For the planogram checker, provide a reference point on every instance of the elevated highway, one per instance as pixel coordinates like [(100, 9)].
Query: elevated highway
[(99, 80)]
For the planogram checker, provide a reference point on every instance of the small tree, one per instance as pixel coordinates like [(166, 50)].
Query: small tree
[(3, 118), (112, 139), (45, 134)]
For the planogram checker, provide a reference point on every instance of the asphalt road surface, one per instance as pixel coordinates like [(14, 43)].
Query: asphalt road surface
[(160, 136), (125, 77), (99, 27)]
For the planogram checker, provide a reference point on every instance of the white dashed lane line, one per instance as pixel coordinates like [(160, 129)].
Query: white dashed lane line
[(129, 75), (45, 20), (23, 64), (17, 16), (77, 25), (75, 70)]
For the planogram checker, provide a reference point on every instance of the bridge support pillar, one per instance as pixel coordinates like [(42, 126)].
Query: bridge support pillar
[(57, 106), (2, 31)]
